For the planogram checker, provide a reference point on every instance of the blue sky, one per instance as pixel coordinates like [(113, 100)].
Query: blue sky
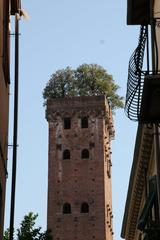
[(64, 33)]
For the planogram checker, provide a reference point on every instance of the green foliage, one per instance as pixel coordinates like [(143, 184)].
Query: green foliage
[(86, 80), (28, 231), (60, 84), (6, 234)]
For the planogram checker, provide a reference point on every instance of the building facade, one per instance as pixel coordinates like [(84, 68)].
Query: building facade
[(7, 8), (4, 103), (141, 219), (79, 170)]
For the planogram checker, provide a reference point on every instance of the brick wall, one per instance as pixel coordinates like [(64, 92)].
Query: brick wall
[(80, 181)]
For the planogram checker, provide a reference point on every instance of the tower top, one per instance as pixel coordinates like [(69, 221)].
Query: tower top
[(90, 106)]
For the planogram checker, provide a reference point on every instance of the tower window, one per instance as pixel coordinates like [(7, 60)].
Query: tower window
[(85, 153), (67, 208), (84, 122), (67, 123), (84, 207), (66, 154)]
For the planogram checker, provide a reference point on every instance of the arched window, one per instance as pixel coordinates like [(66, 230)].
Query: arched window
[(85, 153), (84, 122), (67, 123), (66, 154), (67, 208), (84, 207)]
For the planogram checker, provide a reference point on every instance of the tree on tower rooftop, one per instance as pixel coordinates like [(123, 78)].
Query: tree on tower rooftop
[(86, 80)]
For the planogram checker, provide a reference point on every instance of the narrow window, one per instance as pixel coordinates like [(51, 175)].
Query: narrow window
[(84, 122), (67, 123), (66, 154), (67, 208), (84, 207), (85, 153)]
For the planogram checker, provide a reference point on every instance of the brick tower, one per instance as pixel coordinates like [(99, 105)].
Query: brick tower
[(79, 176)]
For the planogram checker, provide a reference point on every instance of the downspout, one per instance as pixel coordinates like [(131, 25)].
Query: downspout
[(15, 127)]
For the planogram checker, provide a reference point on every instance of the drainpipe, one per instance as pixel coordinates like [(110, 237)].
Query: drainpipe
[(15, 127)]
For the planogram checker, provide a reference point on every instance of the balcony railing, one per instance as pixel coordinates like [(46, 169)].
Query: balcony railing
[(136, 78)]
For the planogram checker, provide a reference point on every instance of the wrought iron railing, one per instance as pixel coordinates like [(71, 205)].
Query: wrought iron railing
[(136, 78)]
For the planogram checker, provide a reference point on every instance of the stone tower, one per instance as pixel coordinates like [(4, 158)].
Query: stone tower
[(79, 172)]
